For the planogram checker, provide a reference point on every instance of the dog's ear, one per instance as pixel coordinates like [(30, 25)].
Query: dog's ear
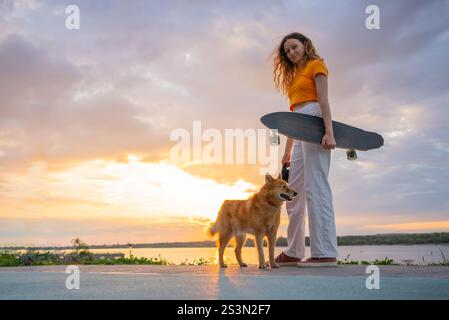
[(268, 178)]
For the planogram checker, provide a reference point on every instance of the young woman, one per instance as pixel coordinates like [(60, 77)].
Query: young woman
[(301, 73)]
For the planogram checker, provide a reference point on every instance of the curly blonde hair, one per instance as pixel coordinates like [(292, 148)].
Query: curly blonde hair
[(284, 70)]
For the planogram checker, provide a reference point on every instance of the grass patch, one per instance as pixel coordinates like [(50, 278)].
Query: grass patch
[(384, 262), (79, 255), (444, 263), (439, 264), (199, 262), (133, 260), (391, 262), (9, 260), (82, 258)]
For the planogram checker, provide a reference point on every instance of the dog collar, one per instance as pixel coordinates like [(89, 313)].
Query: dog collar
[(271, 203)]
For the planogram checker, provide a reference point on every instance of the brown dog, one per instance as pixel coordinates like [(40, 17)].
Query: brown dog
[(259, 215)]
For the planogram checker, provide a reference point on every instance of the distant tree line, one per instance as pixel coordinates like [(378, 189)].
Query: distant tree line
[(377, 239), (395, 238), (384, 239)]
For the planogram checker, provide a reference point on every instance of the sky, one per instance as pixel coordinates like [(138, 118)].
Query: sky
[(86, 115)]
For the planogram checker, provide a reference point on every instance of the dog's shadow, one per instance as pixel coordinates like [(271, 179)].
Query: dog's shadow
[(236, 283)]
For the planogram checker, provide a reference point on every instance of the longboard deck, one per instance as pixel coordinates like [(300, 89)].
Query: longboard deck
[(311, 129)]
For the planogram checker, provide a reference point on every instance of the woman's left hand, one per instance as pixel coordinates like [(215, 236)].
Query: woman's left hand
[(328, 141)]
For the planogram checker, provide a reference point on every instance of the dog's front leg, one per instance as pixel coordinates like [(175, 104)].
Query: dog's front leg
[(271, 246), (259, 245)]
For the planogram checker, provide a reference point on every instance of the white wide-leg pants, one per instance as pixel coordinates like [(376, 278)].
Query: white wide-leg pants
[(309, 171)]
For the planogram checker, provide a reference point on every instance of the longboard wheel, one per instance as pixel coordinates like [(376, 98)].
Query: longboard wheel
[(351, 154), (275, 140)]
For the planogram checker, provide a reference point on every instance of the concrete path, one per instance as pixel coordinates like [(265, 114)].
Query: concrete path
[(209, 282)]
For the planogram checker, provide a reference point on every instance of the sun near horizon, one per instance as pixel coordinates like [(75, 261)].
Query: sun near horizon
[(108, 202)]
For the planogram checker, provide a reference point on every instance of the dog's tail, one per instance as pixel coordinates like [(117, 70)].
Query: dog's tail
[(213, 228)]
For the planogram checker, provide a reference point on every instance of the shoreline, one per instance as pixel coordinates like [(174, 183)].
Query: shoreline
[(90, 259), (212, 246)]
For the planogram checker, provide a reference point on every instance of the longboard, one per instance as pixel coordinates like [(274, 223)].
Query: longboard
[(311, 129)]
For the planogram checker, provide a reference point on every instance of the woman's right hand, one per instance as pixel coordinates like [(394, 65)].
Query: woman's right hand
[(286, 158)]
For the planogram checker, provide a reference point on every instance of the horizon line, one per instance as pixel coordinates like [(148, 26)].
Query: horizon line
[(203, 241)]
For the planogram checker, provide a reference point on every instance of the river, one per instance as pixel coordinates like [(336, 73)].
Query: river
[(417, 254)]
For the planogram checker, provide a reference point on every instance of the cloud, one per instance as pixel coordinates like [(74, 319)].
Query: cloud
[(434, 226), (51, 110), (109, 189), (60, 232)]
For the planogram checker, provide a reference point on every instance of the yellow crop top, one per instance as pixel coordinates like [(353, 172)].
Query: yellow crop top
[(303, 87)]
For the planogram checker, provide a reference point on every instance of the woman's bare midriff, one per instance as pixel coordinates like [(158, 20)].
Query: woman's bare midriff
[(302, 104)]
